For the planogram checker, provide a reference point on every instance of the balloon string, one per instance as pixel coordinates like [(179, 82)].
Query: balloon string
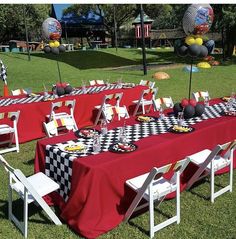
[(59, 72), (190, 79)]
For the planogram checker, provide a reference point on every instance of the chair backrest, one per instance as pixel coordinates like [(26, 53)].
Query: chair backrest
[(200, 94), (226, 149), (13, 116), (70, 104), (167, 101), (148, 83), (19, 92), (96, 82)]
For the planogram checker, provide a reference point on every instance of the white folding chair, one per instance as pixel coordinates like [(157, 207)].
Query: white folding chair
[(211, 161), (148, 83), (19, 92), (200, 95), (10, 129), (166, 101), (30, 189), (144, 101), (153, 187), (55, 115), (96, 82), (111, 106)]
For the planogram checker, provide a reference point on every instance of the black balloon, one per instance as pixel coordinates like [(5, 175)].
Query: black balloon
[(55, 50), (60, 90), (177, 108), (199, 109), (62, 48), (68, 89), (203, 51), (194, 50), (182, 50), (47, 49), (189, 111)]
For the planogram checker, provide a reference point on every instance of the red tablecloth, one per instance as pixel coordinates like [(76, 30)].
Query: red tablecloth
[(32, 115), (99, 197)]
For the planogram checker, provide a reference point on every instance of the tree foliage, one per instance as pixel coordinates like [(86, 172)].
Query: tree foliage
[(12, 21)]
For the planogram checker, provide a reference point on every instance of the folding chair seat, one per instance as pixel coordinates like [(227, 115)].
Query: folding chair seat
[(96, 82), (11, 130), (166, 101), (153, 187), (19, 92), (200, 95), (30, 189), (148, 83), (110, 107), (211, 161), (147, 98), (55, 114)]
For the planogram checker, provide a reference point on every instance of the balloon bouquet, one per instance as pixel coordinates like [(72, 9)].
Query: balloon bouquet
[(51, 30), (197, 21)]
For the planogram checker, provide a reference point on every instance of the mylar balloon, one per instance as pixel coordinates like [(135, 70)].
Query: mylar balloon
[(198, 41), (68, 89), (198, 19), (188, 69), (62, 48), (203, 51), (199, 109), (189, 40), (51, 29), (194, 50), (47, 49), (55, 50), (189, 111), (60, 91), (177, 108)]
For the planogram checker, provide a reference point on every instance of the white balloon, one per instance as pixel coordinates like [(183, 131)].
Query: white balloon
[(51, 29)]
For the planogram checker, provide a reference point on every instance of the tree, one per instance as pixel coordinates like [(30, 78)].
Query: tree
[(124, 12), (12, 21)]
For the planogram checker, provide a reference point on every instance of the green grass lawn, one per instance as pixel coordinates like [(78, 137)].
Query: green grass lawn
[(199, 218)]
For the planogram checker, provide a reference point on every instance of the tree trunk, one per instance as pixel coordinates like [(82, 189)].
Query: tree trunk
[(230, 41)]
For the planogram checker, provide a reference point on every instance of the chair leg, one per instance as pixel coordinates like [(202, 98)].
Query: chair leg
[(212, 185), (9, 202), (178, 198), (25, 220), (151, 212), (231, 176)]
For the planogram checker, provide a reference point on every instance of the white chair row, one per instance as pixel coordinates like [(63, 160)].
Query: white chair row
[(154, 187), (30, 189)]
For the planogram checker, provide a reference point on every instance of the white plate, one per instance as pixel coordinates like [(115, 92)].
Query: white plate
[(73, 148)]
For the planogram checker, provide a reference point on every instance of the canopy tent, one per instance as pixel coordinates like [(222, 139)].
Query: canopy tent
[(74, 25)]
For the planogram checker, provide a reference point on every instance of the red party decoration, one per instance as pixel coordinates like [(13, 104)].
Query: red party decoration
[(184, 102), (192, 102)]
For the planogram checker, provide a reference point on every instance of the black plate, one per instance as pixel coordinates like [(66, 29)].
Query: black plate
[(171, 129), (151, 119), (79, 133), (116, 149), (228, 113)]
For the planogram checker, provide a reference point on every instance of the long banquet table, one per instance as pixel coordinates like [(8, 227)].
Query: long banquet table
[(98, 196), (32, 115)]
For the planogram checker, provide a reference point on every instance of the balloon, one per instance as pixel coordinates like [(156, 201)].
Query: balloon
[(68, 89), (55, 50), (188, 69), (204, 65), (198, 19), (210, 45), (60, 91), (189, 40), (62, 48), (194, 50), (203, 51), (51, 44), (199, 109), (177, 108), (47, 49), (56, 43), (182, 51), (184, 102), (51, 29), (189, 111), (193, 102), (199, 41)]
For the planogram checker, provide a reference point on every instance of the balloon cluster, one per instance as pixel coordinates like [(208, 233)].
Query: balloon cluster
[(189, 107), (62, 89), (51, 30), (197, 21)]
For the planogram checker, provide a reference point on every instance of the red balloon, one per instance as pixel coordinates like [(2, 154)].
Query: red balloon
[(184, 102), (193, 102)]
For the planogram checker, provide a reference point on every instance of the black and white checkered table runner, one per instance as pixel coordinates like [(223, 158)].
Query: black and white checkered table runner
[(59, 164), (38, 98)]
